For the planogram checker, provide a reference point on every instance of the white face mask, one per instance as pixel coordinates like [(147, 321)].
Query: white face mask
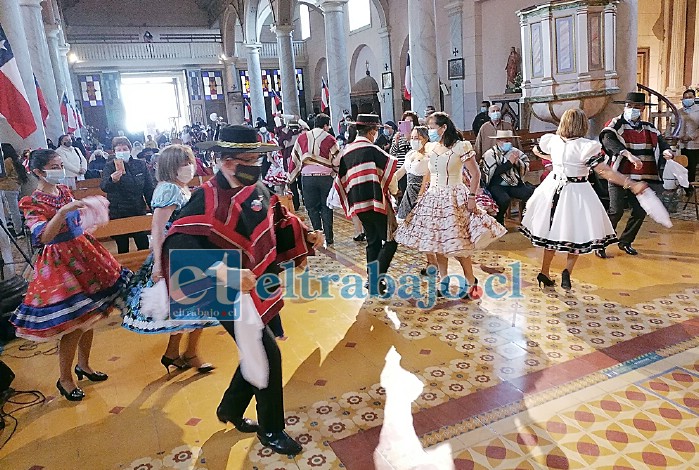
[(263, 130), (123, 155), (185, 173), (55, 176), (415, 144)]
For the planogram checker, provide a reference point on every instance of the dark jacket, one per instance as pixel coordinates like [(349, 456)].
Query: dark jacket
[(131, 195), (478, 122)]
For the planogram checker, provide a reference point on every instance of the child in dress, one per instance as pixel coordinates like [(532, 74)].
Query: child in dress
[(76, 281)]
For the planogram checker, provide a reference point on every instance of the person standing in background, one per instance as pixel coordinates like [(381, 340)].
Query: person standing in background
[(489, 129), (689, 133), (73, 159), (481, 118)]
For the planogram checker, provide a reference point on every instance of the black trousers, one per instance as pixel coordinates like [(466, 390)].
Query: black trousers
[(377, 249), (504, 194), (618, 196), (270, 401), (693, 158), (122, 241), (315, 196)]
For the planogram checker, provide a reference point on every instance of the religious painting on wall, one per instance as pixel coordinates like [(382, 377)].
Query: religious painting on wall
[(194, 80), (594, 35), (537, 51), (565, 45), (91, 90), (213, 85)]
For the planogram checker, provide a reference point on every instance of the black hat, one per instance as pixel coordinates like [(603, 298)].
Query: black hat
[(237, 139), (634, 97), (368, 120), (260, 123)]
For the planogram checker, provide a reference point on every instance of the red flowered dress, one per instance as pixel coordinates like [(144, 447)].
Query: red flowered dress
[(76, 281)]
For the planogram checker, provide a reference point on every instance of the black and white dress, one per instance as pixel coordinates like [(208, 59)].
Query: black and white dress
[(564, 213)]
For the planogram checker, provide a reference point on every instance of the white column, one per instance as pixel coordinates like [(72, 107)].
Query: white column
[(423, 55), (473, 57), (458, 98), (387, 104), (338, 61), (287, 67), (677, 49), (40, 59), (257, 98), (11, 21), (52, 33)]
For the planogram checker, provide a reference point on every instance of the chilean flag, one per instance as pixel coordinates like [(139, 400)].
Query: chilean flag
[(14, 104), (408, 80), (324, 96), (248, 110), (42, 102), (69, 114), (276, 102)]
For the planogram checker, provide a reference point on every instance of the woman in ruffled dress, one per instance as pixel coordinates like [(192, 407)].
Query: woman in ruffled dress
[(76, 281), (176, 167), (446, 220), (564, 214)]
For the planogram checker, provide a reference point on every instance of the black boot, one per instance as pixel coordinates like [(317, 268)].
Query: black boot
[(280, 442)]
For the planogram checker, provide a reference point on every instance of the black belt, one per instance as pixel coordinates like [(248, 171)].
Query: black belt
[(572, 179)]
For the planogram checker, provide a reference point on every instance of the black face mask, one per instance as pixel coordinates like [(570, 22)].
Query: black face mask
[(248, 174)]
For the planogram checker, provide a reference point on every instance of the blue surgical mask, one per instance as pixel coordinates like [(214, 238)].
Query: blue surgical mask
[(632, 114), (495, 116), (687, 102), (484, 109), (123, 155), (506, 146), (434, 135)]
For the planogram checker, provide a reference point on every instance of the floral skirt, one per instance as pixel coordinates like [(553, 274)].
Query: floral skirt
[(441, 223)]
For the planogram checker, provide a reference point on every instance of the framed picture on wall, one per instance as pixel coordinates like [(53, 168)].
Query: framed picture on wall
[(387, 80), (456, 69)]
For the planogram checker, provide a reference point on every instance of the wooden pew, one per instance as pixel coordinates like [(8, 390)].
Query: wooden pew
[(91, 183), (141, 223), (81, 193)]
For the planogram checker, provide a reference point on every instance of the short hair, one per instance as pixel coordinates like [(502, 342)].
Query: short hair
[(38, 159), (451, 135), (573, 124), (412, 116), (486, 102), (321, 120), (352, 132), (121, 140), (60, 139), (494, 106), (422, 131), (363, 130), (171, 159), (690, 90)]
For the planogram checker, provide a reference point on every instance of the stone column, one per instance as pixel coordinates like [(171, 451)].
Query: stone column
[(52, 33), (423, 55), (338, 61), (458, 97), (234, 99), (40, 59), (257, 97), (287, 67), (387, 103), (473, 58), (675, 83), (11, 21)]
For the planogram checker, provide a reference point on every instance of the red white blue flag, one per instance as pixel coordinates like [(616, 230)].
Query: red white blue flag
[(42, 102), (324, 97), (408, 84), (14, 104)]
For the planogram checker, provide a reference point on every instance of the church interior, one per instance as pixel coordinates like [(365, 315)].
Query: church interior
[(605, 375)]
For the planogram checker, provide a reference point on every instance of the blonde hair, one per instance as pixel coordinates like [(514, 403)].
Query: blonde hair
[(170, 159), (573, 124)]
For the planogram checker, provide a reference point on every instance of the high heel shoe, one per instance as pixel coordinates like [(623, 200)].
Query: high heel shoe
[(95, 376), (168, 362), (545, 280), (565, 280), (473, 292), (202, 369), (359, 238), (74, 395)]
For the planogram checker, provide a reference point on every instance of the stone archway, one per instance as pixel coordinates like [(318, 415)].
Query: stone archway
[(361, 55)]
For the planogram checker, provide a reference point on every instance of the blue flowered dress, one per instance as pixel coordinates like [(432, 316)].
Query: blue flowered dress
[(165, 195)]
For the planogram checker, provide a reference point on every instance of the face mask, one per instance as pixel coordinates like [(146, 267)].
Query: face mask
[(506, 146), (185, 174), (54, 176), (415, 144), (248, 174), (687, 102), (123, 155), (632, 114), (495, 116), (67, 143), (263, 130), (484, 109), (434, 135)]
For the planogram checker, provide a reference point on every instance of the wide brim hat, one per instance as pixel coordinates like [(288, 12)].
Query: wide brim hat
[(237, 139), (635, 97), (504, 134), (368, 120)]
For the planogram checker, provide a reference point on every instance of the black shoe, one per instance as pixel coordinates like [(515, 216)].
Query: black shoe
[(169, 362), (360, 238), (545, 280), (601, 253), (280, 442), (94, 377), (241, 424), (472, 292), (565, 280), (628, 249), (74, 395)]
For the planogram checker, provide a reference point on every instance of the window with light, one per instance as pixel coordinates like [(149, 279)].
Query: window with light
[(305, 17), (359, 14)]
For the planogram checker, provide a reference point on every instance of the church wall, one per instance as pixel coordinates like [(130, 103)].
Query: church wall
[(650, 35), (136, 13), (368, 37), (315, 47)]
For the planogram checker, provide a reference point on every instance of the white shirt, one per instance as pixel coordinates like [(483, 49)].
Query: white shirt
[(73, 161), (690, 127)]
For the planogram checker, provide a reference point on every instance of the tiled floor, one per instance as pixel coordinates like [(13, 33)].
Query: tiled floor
[(545, 379)]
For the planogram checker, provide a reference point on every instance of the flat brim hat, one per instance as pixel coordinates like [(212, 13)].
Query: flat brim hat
[(237, 139), (500, 134), (635, 97), (369, 120)]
